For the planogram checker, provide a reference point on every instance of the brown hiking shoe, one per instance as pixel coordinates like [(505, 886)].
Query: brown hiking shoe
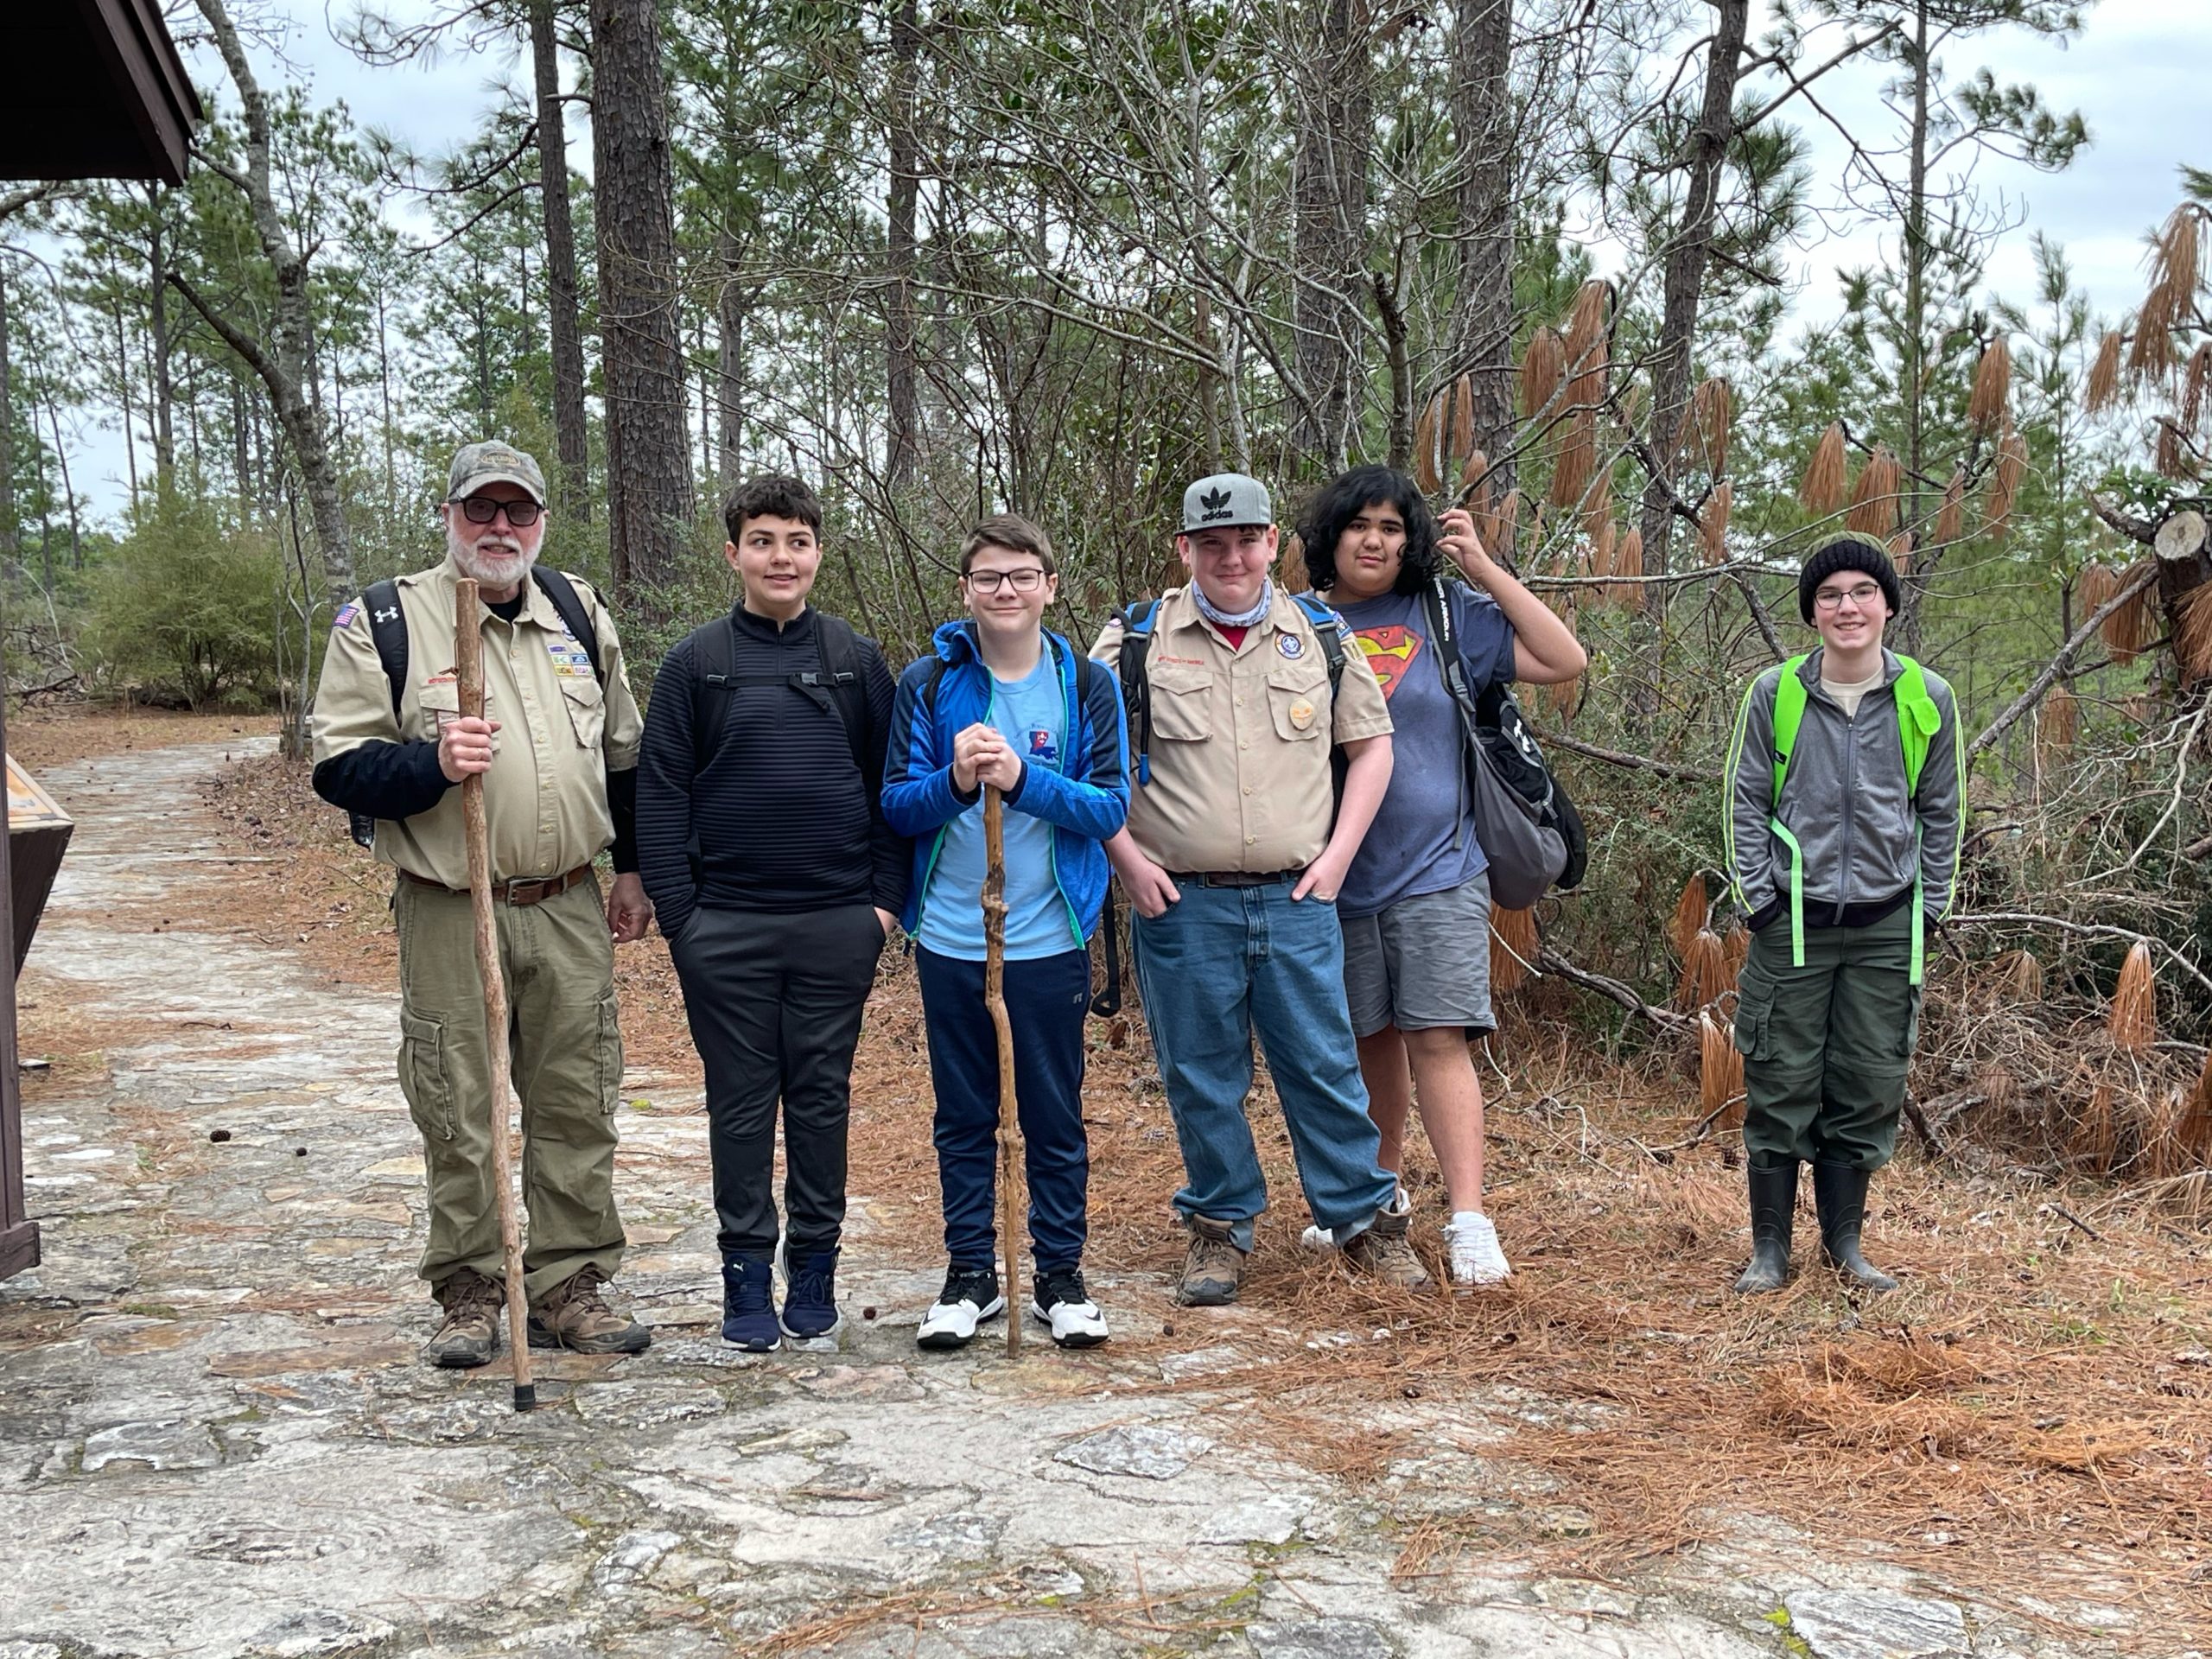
[(574, 1315), (1382, 1251), (1213, 1266), (470, 1334)]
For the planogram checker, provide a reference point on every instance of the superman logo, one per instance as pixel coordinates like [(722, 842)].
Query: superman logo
[(1390, 651)]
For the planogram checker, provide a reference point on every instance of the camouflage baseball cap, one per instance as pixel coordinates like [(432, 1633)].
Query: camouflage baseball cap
[(475, 465), (1226, 499)]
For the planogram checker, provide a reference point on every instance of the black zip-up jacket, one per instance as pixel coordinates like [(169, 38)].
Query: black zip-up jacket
[(785, 821)]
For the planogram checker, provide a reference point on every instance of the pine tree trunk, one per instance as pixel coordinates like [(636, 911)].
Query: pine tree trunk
[(563, 301), (1329, 222), (1482, 324), (901, 370), (1913, 368), (1688, 255), (648, 450), (732, 304), (8, 546), (158, 332)]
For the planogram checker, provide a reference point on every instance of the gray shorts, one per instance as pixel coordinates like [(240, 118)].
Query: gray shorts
[(1422, 964)]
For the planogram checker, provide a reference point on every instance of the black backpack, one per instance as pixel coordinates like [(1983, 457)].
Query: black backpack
[(388, 628), (1531, 834), (837, 685)]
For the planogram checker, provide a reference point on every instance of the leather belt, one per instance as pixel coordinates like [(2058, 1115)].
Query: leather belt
[(1234, 878), (535, 891)]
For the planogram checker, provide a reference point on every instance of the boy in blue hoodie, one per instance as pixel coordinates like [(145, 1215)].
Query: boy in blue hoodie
[(1005, 701)]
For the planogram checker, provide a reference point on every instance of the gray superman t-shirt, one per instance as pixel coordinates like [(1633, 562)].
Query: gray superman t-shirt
[(1423, 839)]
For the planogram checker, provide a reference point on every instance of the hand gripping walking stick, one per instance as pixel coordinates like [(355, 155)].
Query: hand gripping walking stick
[(468, 668), (1012, 1210)]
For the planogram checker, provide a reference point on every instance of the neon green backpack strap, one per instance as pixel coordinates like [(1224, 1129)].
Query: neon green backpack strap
[(1788, 714), (1918, 722)]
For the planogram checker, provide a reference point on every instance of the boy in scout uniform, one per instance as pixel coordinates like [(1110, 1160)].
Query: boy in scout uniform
[(557, 750), (1232, 866)]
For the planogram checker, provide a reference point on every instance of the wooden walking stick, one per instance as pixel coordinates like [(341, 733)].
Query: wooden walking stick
[(468, 668), (1013, 1212)]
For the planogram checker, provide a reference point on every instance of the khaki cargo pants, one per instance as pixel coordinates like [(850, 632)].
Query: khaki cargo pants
[(1825, 1045), (566, 1054)]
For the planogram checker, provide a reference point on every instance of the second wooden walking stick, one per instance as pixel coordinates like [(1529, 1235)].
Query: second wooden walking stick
[(468, 668), (1013, 1212)]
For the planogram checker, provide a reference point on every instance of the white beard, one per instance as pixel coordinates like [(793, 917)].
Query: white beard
[(460, 547)]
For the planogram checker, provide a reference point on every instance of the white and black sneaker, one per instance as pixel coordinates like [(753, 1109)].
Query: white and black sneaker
[(971, 1296), (1063, 1304)]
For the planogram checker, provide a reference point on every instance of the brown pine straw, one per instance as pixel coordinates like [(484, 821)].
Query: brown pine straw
[(2130, 630), (1462, 443), (1900, 551), (1711, 414), (2171, 457), (1543, 366), (1705, 978), (1292, 571), (1951, 516), (1690, 913), (1874, 496), (2024, 976), (1736, 946), (1473, 474), (2194, 379), (1991, 399), (1504, 526), (1601, 563), (1426, 474), (2095, 585), (2193, 632), (1513, 948), (2103, 389), (1597, 507), (2011, 467), (2057, 723), (1720, 1073), (1713, 522), (1577, 460), (2133, 1020), (1821, 493), (1628, 561), (1587, 356)]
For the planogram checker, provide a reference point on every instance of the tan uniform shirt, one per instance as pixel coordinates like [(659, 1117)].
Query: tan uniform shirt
[(560, 731), (1239, 738)]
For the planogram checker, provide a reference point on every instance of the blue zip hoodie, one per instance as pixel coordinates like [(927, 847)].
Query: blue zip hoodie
[(1084, 799)]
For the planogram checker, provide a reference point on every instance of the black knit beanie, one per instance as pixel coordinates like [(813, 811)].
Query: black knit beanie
[(1848, 553)]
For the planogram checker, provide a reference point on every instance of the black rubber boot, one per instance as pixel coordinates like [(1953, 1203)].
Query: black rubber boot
[(1774, 1207), (1840, 1193)]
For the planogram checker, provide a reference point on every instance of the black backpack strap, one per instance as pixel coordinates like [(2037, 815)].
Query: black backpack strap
[(388, 628), (569, 603), (840, 677), (934, 678), (1136, 690), (713, 665)]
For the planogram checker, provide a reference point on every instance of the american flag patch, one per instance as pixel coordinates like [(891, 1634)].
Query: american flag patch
[(346, 613)]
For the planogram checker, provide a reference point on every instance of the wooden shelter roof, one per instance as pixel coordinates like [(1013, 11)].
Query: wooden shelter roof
[(98, 92)]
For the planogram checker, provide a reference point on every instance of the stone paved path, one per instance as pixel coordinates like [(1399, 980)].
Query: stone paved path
[(214, 1438)]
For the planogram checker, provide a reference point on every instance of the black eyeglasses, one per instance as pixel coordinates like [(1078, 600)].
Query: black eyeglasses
[(1027, 579), (483, 509)]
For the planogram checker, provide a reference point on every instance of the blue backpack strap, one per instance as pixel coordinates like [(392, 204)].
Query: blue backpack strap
[(1136, 690), (1331, 630)]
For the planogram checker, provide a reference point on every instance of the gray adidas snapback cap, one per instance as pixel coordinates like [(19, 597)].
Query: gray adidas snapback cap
[(1226, 499), (475, 465)]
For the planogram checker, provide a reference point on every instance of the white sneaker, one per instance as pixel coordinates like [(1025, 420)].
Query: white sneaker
[(1476, 1258), (1062, 1303), (1317, 1239), (968, 1299)]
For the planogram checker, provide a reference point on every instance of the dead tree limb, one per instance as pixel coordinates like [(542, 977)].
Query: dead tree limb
[(2058, 665)]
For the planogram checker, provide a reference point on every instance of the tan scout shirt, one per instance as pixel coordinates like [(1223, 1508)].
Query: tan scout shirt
[(559, 734), (1240, 739)]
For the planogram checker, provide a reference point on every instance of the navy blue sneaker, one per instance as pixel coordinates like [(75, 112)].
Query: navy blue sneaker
[(810, 1294), (749, 1304)]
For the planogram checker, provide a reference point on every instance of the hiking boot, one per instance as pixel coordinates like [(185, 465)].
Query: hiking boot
[(1212, 1267), (1840, 1195), (1062, 1303), (749, 1304), (575, 1316), (810, 1294), (971, 1296), (469, 1335), (1774, 1208), (1381, 1249), (1476, 1258)]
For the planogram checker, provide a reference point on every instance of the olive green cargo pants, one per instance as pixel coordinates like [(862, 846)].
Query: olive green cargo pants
[(566, 1055), (1825, 1045)]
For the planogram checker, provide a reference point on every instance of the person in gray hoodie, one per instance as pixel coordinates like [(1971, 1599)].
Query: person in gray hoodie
[(1844, 796)]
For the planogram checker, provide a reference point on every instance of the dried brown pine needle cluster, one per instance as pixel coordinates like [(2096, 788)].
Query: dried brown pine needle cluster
[(1822, 493)]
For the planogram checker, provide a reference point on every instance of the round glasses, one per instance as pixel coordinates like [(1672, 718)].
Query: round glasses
[(1027, 579), (1829, 599), (483, 509)]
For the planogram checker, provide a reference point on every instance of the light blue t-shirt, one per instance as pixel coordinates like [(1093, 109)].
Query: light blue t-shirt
[(1030, 716)]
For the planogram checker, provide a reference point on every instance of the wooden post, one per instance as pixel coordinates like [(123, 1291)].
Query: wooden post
[(468, 668), (1013, 1212)]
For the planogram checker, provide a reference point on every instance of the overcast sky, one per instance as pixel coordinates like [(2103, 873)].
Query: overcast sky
[(2134, 73)]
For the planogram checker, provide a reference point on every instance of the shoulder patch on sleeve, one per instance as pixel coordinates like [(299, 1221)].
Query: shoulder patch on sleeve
[(347, 613)]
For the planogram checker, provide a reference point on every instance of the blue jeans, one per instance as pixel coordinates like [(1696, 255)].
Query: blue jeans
[(1219, 965)]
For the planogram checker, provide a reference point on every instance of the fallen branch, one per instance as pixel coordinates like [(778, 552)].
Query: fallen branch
[(2058, 665), (1550, 962), (2088, 930), (1621, 758)]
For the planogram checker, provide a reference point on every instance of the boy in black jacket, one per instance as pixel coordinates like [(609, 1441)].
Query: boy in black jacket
[(762, 840)]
